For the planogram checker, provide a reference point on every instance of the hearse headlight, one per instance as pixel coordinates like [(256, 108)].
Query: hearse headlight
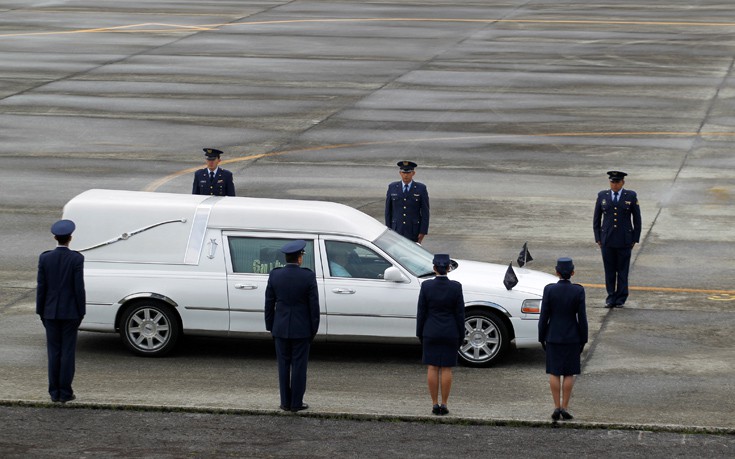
[(531, 306)]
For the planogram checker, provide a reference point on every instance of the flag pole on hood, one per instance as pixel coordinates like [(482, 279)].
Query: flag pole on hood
[(525, 256)]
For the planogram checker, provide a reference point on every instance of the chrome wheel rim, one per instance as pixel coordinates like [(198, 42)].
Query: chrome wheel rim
[(481, 340), (148, 329)]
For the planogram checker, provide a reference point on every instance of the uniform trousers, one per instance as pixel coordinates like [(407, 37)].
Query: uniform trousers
[(293, 357), (617, 263), (61, 344)]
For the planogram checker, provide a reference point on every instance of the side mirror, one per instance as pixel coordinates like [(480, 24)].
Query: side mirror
[(394, 274)]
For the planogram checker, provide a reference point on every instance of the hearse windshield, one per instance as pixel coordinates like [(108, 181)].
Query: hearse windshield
[(407, 253)]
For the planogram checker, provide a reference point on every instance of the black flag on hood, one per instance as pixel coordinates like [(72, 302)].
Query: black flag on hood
[(525, 256), (510, 279)]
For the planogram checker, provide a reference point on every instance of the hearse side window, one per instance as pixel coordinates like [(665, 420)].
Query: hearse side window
[(353, 260), (252, 255)]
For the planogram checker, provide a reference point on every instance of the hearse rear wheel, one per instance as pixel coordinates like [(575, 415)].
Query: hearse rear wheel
[(150, 328)]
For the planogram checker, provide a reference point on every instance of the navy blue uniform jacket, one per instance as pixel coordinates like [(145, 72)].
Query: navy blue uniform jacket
[(222, 185), (408, 214), (617, 225), (292, 303), (563, 318), (60, 294), (440, 313)]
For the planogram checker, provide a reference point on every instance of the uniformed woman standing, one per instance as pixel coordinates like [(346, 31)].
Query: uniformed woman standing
[(440, 328), (562, 331)]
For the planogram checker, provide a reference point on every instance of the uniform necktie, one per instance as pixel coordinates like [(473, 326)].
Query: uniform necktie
[(615, 197), (211, 176), (405, 189)]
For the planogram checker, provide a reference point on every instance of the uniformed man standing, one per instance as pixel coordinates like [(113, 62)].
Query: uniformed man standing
[(213, 180), (61, 303), (407, 205), (292, 317), (617, 227)]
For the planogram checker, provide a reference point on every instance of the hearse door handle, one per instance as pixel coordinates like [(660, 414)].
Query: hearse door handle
[(246, 286), (343, 291)]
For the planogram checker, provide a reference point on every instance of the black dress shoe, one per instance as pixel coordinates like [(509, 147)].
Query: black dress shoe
[(618, 305), (556, 414), (435, 409), (64, 400), (443, 410), (609, 305), (303, 406), (284, 408), (566, 415), (55, 400)]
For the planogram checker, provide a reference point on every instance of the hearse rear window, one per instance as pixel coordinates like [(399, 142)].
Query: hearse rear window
[(252, 255)]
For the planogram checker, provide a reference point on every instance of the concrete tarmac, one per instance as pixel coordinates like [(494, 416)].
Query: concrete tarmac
[(514, 110)]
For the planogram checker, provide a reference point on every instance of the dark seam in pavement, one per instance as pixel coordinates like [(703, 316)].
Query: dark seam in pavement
[(29, 292)]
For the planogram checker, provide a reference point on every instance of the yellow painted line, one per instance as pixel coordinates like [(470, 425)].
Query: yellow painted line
[(165, 27), (673, 290), (722, 297), (153, 186), (119, 29)]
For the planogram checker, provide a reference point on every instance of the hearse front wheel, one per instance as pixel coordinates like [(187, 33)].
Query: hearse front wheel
[(486, 339)]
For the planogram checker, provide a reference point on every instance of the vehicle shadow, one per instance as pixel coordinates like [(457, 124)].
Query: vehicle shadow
[(103, 345), (194, 347)]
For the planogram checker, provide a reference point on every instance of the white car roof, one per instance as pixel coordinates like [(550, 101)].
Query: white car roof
[(293, 215)]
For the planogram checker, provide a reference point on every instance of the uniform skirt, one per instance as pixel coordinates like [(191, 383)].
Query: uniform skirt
[(563, 359), (440, 352)]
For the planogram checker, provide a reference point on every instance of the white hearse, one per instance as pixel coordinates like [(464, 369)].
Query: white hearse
[(160, 265)]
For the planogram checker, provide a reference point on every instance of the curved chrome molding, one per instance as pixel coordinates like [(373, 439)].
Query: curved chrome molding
[(126, 236), (155, 296), (488, 304)]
